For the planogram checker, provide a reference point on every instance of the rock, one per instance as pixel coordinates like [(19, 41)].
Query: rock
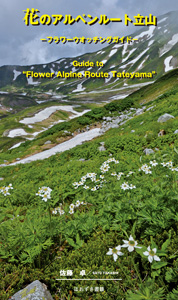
[(1, 178), (108, 119), (101, 148), (17, 158), (165, 118), (132, 130), (151, 107), (34, 291), (47, 142), (82, 159), (148, 151), (139, 111), (102, 143), (176, 131), (5, 161), (141, 122)]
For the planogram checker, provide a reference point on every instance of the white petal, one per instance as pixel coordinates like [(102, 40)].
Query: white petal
[(125, 245), (131, 238), (146, 253), (148, 248), (156, 258), (130, 248), (125, 242), (154, 250), (138, 247), (136, 243), (150, 258), (115, 256), (109, 252), (118, 247)]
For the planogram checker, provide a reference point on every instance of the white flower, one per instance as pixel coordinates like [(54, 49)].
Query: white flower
[(113, 174), (71, 211), (72, 206), (151, 254), (132, 187), (10, 186), (77, 203), (164, 164), (169, 163), (130, 244), (86, 187), (102, 176), (125, 186), (94, 188), (153, 163), (130, 173), (115, 252)]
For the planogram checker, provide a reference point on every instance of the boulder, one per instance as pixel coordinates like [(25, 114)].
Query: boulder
[(47, 142), (34, 291), (165, 118), (176, 131)]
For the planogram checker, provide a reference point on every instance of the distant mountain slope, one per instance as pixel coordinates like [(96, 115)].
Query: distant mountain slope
[(155, 50)]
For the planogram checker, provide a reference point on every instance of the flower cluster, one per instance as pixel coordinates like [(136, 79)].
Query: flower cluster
[(146, 169), (45, 193), (169, 165), (58, 210), (105, 166), (77, 204), (126, 186), (5, 189), (131, 244)]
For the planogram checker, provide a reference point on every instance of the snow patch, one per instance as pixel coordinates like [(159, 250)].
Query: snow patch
[(124, 49), (17, 132), (16, 74), (135, 59), (142, 63), (107, 79), (131, 51), (45, 114), (112, 52), (79, 88), (44, 66), (148, 32), (104, 61), (169, 45), (15, 146), (150, 43), (162, 20), (59, 61), (77, 140), (30, 81), (1, 92), (117, 46), (167, 63)]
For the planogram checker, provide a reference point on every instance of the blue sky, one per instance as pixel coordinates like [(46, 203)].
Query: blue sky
[(21, 44)]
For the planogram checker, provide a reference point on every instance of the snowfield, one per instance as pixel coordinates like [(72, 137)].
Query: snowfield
[(77, 140), (45, 114)]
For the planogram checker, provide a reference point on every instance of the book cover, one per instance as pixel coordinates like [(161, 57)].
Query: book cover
[(88, 150)]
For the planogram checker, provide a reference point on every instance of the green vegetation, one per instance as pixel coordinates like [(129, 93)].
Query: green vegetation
[(76, 224)]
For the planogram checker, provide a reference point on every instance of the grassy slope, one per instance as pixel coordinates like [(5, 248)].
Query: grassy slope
[(81, 240)]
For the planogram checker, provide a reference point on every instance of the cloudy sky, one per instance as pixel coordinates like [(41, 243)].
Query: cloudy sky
[(21, 44)]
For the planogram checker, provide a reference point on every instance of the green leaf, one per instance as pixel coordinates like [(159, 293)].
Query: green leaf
[(159, 265)]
